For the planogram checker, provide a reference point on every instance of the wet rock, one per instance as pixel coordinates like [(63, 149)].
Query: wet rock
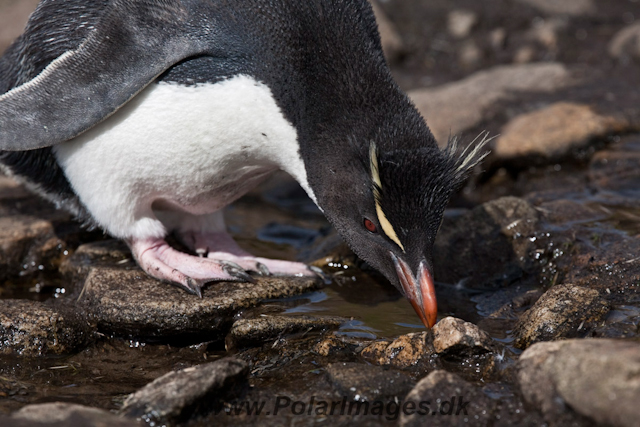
[(489, 246), (456, 337), (625, 45), (564, 7), (32, 329), (564, 311), (554, 132), (128, 302), (456, 107), (449, 401), (181, 395), (110, 252), (13, 17), (460, 23), (332, 345), (392, 44), (374, 353), (248, 332), (26, 243), (68, 414), (405, 351), (572, 380), (615, 170), (361, 382)]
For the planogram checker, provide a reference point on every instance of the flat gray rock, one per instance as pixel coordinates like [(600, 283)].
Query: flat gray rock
[(121, 299), (32, 329), (592, 379), (182, 395), (128, 302)]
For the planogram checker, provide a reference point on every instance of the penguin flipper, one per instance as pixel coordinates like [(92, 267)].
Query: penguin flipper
[(115, 62)]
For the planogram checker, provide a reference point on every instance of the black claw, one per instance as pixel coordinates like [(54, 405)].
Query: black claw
[(194, 286), (236, 271), (263, 269), (319, 272)]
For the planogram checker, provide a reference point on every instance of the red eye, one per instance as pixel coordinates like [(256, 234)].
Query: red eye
[(370, 226)]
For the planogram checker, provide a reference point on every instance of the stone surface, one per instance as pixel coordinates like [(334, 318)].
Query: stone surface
[(332, 345), (564, 7), (575, 379), (455, 107), (362, 382), (451, 402), (489, 246), (564, 311), (625, 45), (61, 414), (32, 329), (247, 332), (179, 396), (405, 351), (554, 132), (454, 336), (26, 243), (128, 302)]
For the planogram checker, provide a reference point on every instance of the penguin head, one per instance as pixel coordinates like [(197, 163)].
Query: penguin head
[(390, 205)]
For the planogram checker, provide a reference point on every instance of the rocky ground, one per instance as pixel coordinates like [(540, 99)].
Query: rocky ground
[(537, 261)]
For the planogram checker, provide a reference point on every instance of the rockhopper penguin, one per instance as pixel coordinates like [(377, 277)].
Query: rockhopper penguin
[(146, 117)]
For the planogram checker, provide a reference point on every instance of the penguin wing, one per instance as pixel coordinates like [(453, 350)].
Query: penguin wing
[(132, 44)]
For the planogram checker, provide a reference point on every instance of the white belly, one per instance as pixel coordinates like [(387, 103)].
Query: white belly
[(192, 149)]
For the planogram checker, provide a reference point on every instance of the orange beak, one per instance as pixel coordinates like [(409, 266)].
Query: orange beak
[(419, 291)]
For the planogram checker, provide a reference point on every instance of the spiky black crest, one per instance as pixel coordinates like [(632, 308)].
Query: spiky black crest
[(415, 186)]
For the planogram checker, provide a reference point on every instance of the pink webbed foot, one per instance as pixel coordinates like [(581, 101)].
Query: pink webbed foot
[(222, 247), (161, 261)]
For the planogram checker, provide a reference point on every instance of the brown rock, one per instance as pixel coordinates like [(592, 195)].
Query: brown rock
[(564, 311), (331, 345), (32, 329), (554, 132), (375, 352), (247, 332), (460, 22), (408, 350), (453, 336), (573, 380), (456, 107)]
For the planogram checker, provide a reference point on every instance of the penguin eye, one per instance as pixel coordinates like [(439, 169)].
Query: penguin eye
[(369, 225)]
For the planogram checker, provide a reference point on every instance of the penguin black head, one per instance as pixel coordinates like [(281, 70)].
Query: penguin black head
[(390, 205)]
